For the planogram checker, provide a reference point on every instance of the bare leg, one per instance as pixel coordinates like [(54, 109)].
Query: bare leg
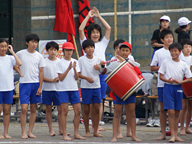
[(163, 120), (182, 116), (119, 134), (77, 111), (32, 118), (86, 110), (1, 137), (130, 110), (172, 123), (100, 115), (49, 119), (64, 107), (6, 117), (188, 117), (116, 121), (128, 120), (95, 119), (24, 109), (176, 126)]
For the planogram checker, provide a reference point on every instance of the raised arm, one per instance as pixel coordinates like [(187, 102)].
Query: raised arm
[(18, 61), (105, 24), (83, 24)]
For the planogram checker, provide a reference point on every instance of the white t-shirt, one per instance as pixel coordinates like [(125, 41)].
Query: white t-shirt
[(158, 58), (175, 70), (130, 57), (31, 62), (69, 83), (50, 73), (6, 72), (188, 60), (86, 66), (100, 48)]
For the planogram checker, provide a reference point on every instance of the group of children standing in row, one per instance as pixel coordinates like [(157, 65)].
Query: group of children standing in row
[(172, 61), (57, 79)]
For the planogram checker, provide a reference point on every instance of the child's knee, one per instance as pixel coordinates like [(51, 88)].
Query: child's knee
[(77, 112), (24, 110), (132, 113)]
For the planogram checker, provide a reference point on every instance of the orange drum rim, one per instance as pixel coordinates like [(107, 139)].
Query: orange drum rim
[(133, 89), (115, 71)]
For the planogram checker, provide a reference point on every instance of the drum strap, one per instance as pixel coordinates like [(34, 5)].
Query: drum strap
[(137, 70)]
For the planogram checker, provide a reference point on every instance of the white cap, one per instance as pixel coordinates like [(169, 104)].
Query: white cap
[(165, 17), (183, 21)]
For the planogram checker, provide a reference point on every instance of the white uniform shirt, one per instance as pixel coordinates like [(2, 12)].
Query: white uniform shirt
[(130, 57), (175, 70), (188, 60), (158, 58), (50, 73), (100, 48), (69, 83), (86, 66), (6, 72), (31, 62)]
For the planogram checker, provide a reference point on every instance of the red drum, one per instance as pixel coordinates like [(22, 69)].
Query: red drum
[(124, 80), (187, 89)]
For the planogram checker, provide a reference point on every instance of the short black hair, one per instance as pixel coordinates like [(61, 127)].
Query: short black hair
[(53, 45), (30, 37), (186, 41), (3, 40), (93, 26), (165, 32), (175, 45), (117, 42), (87, 43)]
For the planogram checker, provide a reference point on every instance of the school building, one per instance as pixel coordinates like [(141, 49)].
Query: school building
[(136, 21)]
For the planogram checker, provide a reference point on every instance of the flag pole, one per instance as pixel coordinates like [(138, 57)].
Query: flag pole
[(115, 21), (77, 54)]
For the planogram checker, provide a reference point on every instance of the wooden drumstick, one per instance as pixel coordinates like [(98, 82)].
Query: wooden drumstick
[(109, 61)]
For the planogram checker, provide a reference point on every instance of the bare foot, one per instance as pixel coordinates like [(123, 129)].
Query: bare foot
[(129, 134), (2, 137), (24, 136), (113, 139), (172, 139), (31, 135), (7, 136), (101, 129), (66, 138), (188, 131), (88, 134), (52, 133), (60, 133), (162, 137), (79, 137), (136, 139), (119, 136), (97, 135), (179, 139), (182, 132)]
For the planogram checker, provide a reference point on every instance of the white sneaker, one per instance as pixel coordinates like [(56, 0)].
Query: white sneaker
[(90, 122), (137, 121), (101, 122), (157, 123), (150, 123)]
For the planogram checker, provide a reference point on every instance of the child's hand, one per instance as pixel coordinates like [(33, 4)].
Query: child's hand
[(70, 66), (39, 91), (90, 80), (10, 48), (91, 13), (176, 81), (102, 63), (120, 58), (20, 75), (96, 67), (56, 79), (96, 12), (171, 80), (74, 64)]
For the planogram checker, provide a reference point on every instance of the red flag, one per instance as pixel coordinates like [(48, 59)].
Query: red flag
[(84, 9), (64, 20)]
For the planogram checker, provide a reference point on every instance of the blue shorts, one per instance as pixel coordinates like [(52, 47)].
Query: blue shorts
[(91, 95), (6, 97), (160, 94), (50, 96), (27, 92), (172, 95), (184, 96), (72, 96), (103, 85), (130, 99)]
